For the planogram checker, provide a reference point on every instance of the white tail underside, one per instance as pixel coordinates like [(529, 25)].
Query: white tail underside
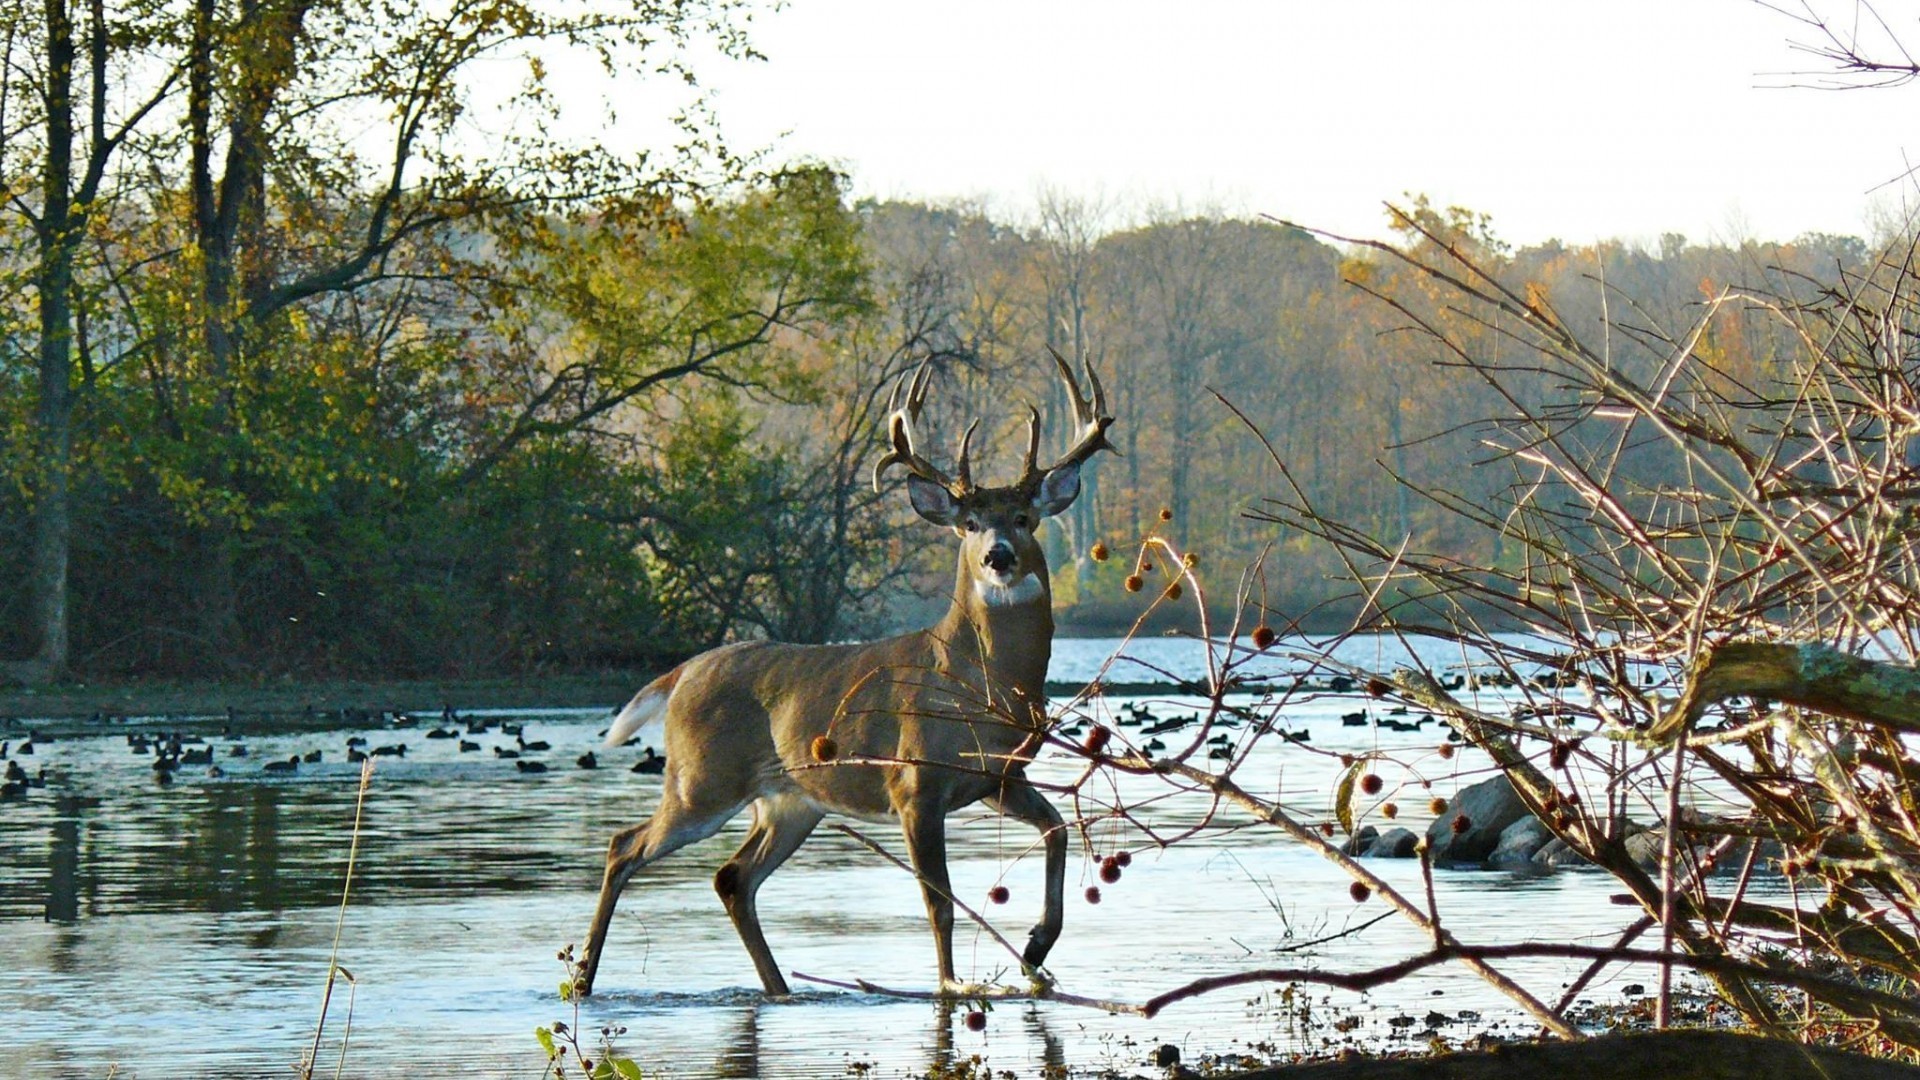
[(647, 709)]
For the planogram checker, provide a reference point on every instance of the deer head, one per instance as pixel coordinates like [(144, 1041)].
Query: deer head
[(999, 556)]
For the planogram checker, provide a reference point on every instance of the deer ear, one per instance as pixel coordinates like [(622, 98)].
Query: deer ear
[(933, 501), (1058, 489)]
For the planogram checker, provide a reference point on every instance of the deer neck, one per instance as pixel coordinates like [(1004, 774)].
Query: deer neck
[(1007, 632)]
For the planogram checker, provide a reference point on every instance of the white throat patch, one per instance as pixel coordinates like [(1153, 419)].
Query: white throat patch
[(1026, 590)]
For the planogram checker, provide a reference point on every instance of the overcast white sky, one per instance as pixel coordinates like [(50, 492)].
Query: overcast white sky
[(1577, 120)]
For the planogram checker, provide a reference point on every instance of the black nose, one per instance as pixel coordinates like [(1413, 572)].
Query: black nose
[(999, 558)]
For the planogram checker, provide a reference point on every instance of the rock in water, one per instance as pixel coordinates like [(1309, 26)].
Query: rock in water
[(1488, 807), (1394, 844), (1519, 842)]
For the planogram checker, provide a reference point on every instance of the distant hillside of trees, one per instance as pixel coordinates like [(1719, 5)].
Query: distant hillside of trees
[(300, 373), (416, 481)]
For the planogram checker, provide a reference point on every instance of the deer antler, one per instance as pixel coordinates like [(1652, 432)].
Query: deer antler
[(904, 414), (1089, 415)]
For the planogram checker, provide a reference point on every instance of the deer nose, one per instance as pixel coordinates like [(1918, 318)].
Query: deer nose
[(999, 558)]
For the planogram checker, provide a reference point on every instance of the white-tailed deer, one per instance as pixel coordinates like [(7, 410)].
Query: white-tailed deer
[(912, 728)]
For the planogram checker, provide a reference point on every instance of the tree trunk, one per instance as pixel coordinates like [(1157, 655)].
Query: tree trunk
[(53, 414)]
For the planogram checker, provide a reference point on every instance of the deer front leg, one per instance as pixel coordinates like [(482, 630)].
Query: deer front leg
[(926, 832), (1020, 800)]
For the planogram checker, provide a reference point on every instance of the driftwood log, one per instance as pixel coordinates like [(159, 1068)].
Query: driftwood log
[(1812, 676), (1668, 1055)]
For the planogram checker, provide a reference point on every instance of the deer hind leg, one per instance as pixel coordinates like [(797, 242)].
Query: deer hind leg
[(781, 823), (926, 831), (673, 826), (1021, 801)]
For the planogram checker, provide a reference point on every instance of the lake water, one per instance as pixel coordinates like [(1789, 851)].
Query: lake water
[(185, 930)]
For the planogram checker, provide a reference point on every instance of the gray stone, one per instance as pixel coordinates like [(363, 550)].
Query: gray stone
[(1519, 842), (1556, 854), (1645, 846), (1488, 807), (1394, 844), (1360, 842)]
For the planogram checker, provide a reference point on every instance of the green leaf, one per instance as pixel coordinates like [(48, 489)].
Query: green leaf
[(602, 1070), (626, 1067), (1343, 794), (546, 1042)]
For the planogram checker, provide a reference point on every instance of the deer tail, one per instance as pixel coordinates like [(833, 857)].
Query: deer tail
[(647, 709)]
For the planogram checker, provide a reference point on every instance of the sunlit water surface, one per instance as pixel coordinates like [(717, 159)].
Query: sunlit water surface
[(185, 930)]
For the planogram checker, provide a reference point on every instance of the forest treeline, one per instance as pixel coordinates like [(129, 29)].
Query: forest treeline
[(278, 396)]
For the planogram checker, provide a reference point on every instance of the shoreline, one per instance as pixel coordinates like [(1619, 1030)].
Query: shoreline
[(75, 706)]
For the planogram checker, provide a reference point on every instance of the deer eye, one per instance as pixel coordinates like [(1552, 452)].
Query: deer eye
[(971, 524)]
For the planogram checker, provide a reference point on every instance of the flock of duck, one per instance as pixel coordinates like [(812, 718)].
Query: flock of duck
[(173, 751), (1221, 745), (228, 753)]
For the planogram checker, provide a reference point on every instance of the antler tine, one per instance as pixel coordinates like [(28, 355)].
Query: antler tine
[(1030, 471), (902, 414), (1089, 414), (963, 468)]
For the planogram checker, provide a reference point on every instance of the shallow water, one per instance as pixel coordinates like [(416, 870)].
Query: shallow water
[(183, 930)]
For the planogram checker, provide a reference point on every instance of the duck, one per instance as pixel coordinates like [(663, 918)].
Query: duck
[(587, 761), (503, 752), (292, 764), (1172, 723), (443, 733), (202, 756), (356, 740), (237, 750), (355, 755), (530, 766), (311, 757), (468, 747), (1356, 718), (25, 749), (531, 747), (395, 750), (650, 762)]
